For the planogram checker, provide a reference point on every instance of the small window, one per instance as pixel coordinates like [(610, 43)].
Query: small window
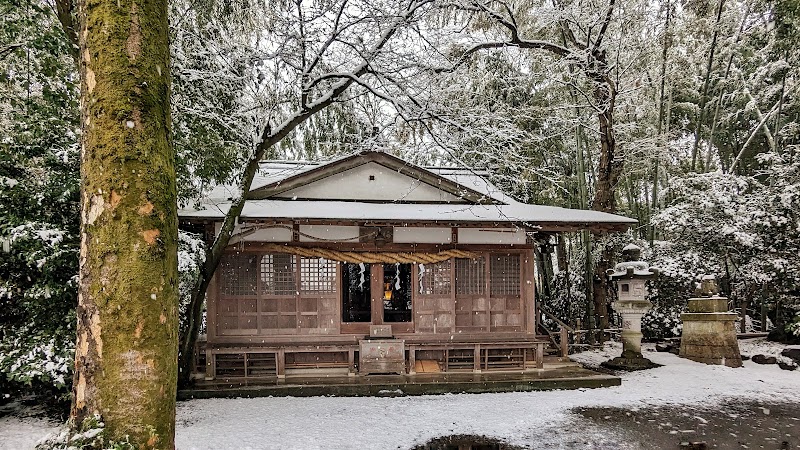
[(434, 279), (239, 274), (278, 274), (505, 273), (470, 276), (317, 275), (626, 287)]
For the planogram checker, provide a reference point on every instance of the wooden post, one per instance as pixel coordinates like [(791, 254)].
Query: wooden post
[(563, 340), (280, 364), (351, 362), (539, 355), (529, 294), (210, 364)]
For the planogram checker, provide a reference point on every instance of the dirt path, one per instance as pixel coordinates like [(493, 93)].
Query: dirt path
[(729, 426)]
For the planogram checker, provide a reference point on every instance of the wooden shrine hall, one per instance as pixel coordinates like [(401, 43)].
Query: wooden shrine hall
[(368, 264)]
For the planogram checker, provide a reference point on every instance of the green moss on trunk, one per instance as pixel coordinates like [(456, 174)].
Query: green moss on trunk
[(127, 315)]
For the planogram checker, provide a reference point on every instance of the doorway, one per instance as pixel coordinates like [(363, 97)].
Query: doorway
[(396, 293), (377, 294), (356, 293)]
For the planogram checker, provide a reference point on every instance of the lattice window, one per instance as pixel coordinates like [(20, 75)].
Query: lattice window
[(239, 274), (470, 276), (278, 274), (317, 275), (505, 275), (434, 279)]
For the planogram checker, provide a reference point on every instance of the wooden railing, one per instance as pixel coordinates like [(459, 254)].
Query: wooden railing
[(564, 332)]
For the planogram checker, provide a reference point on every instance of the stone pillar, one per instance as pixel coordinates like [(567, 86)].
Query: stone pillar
[(709, 332), (632, 312)]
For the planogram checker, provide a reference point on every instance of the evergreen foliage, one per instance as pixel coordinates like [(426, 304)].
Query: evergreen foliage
[(39, 217)]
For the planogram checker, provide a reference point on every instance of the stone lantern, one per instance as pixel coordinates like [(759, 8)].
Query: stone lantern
[(630, 277)]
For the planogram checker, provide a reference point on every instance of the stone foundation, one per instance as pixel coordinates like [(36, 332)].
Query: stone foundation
[(630, 360), (709, 335)]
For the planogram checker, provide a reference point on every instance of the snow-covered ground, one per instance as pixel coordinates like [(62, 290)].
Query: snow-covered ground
[(535, 419)]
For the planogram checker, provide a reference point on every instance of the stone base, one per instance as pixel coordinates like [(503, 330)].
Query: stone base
[(724, 355), (710, 338), (630, 361)]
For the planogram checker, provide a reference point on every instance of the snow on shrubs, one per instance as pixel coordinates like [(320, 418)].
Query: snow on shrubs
[(191, 256), (662, 322), (794, 328), (32, 360), (38, 355), (37, 301), (743, 229), (90, 436)]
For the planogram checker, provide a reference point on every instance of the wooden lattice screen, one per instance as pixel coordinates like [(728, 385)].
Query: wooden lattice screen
[(504, 287), (435, 279), (276, 293), (470, 276), (317, 275), (434, 303), (505, 273), (239, 274), (278, 274)]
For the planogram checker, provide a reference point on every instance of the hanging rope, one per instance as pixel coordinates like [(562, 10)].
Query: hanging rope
[(370, 257)]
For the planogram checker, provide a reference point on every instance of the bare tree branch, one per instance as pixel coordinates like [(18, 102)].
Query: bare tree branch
[(8, 49), (604, 27)]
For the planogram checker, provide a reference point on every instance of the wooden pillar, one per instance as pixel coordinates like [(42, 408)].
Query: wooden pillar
[(211, 364), (539, 355), (280, 363), (351, 362), (529, 293), (376, 293)]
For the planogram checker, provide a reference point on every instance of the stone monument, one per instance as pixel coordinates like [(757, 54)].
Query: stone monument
[(709, 330), (630, 277)]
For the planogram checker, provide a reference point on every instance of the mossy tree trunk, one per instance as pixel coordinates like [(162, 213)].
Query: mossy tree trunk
[(126, 353)]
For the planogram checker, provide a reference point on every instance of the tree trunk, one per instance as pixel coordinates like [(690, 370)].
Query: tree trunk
[(590, 304), (706, 83), (561, 253), (659, 126), (126, 352), (722, 91), (609, 166), (609, 171)]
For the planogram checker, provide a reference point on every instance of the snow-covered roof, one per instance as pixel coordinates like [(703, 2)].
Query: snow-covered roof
[(362, 211), (466, 196)]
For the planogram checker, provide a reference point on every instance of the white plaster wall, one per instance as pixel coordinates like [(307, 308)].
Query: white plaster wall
[(505, 236), (273, 234), (329, 232), (270, 235), (218, 227), (422, 235), (354, 184)]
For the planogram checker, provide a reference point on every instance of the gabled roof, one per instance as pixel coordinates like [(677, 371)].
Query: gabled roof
[(287, 178), (467, 198)]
